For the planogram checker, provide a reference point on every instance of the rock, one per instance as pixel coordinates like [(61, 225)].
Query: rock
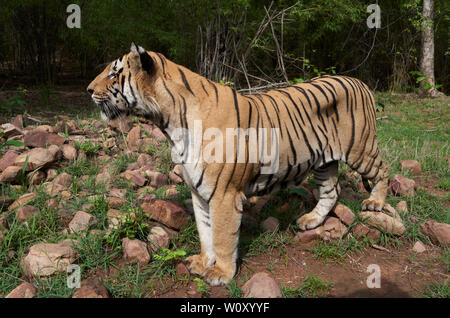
[(419, 247), (121, 124), (158, 134), (10, 174), (40, 139), (158, 238), (167, 213), (402, 207), (135, 251), (261, 285), (24, 290), (144, 160), (135, 177), (400, 185), (391, 211), (24, 199), (439, 233), (182, 270), (175, 178), (332, 229), (44, 128), (44, 259), (69, 152), (51, 174), (361, 230), (37, 157), (63, 179), (104, 178), (53, 189), (259, 202), (91, 288), (80, 222), (18, 121), (270, 224), (25, 212), (411, 165), (383, 222), (344, 214), (308, 236), (158, 180), (133, 136), (171, 193), (9, 131), (118, 193), (37, 177), (115, 203), (8, 160), (52, 203)]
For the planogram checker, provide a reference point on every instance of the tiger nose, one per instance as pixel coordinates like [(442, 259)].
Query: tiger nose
[(90, 91)]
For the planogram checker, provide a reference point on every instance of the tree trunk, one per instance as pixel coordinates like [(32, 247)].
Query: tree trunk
[(427, 54)]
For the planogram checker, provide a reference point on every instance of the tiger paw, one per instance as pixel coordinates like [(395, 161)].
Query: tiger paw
[(216, 276), (309, 221), (197, 264), (372, 205)]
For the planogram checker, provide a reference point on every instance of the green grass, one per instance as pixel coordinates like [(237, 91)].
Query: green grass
[(336, 251), (311, 286), (437, 290)]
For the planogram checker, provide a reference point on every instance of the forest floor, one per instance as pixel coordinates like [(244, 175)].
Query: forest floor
[(409, 128)]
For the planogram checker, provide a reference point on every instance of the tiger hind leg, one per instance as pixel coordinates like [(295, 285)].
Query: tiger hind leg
[(327, 178), (378, 175)]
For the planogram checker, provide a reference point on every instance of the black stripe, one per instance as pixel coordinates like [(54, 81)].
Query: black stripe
[(183, 78)]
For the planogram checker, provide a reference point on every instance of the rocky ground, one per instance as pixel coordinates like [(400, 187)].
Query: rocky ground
[(106, 197)]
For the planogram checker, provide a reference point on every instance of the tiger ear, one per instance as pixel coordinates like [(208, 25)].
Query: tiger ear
[(142, 59)]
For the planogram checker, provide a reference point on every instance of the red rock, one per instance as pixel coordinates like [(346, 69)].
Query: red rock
[(51, 174), (80, 222), (41, 139), (24, 290), (114, 202), (261, 285), (52, 203), (439, 233), (133, 136), (158, 180), (383, 222), (9, 131), (8, 160), (37, 177), (158, 134), (175, 178), (333, 229), (104, 178), (308, 236), (18, 121), (182, 270), (10, 174), (24, 199), (37, 157), (135, 251), (44, 259), (63, 179), (167, 213), (411, 165), (91, 288), (144, 160), (402, 207), (344, 213), (171, 193), (419, 247), (158, 238), (122, 124), (259, 202), (361, 230), (270, 224), (118, 193), (69, 152), (25, 212), (135, 177), (400, 186)]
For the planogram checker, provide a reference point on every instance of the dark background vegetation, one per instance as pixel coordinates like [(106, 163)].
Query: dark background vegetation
[(240, 42)]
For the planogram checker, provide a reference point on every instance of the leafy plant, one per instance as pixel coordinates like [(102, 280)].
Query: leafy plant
[(167, 255), (202, 287)]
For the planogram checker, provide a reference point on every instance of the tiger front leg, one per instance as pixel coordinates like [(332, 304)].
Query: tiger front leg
[(198, 264), (226, 214)]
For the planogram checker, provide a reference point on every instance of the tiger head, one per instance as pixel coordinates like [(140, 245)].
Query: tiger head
[(125, 86)]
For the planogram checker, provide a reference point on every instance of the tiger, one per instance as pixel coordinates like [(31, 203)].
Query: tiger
[(319, 122)]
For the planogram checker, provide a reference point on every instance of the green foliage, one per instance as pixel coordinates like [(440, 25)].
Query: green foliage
[(202, 287), (312, 286), (132, 224), (167, 255), (87, 147)]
